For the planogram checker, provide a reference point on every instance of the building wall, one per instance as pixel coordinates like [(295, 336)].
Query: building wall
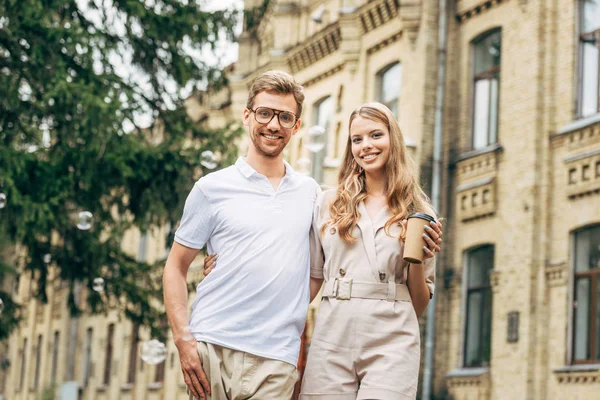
[(534, 203)]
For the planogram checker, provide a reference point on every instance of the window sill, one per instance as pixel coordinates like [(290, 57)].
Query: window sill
[(467, 372), (578, 124), (577, 374), (127, 387), (102, 388), (155, 386), (578, 368), (496, 147)]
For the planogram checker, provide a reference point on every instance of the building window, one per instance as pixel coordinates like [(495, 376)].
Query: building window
[(88, 357), (109, 353), (55, 347), (486, 88), (586, 291), (133, 353), (478, 327), (38, 354), (589, 43), (23, 358), (322, 111), (389, 81)]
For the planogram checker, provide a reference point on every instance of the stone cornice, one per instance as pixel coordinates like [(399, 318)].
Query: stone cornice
[(324, 75), (473, 11), (316, 47), (384, 43)]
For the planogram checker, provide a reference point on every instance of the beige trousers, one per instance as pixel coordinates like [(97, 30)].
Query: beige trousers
[(236, 375)]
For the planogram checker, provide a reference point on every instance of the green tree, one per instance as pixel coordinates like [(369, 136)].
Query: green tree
[(69, 141)]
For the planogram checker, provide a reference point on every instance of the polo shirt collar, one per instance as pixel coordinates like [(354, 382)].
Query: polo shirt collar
[(246, 170)]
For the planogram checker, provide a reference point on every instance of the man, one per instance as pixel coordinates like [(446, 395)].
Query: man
[(248, 314)]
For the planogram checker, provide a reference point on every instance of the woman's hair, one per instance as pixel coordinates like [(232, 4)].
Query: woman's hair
[(276, 81), (403, 192)]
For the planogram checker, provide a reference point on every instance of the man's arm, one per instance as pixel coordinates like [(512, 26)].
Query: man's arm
[(315, 286), (175, 296)]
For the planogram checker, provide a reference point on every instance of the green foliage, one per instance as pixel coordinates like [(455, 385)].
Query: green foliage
[(253, 16), (64, 102)]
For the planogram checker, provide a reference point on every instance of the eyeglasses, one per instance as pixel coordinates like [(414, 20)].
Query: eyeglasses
[(264, 115)]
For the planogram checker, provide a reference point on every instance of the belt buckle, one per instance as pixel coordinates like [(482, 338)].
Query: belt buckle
[(343, 288)]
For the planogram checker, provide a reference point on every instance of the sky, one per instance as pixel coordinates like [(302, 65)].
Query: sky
[(225, 52)]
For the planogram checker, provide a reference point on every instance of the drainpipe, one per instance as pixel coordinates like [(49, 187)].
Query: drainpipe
[(436, 185)]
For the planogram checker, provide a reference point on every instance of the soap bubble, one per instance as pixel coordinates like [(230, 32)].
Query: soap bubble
[(85, 220), (153, 352), (98, 284), (208, 159)]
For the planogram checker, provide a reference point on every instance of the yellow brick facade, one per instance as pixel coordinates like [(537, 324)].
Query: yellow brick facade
[(541, 181)]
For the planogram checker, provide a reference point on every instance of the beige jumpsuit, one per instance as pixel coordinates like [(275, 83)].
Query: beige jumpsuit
[(366, 339)]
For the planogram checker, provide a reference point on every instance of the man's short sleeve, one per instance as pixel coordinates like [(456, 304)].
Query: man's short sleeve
[(197, 222)]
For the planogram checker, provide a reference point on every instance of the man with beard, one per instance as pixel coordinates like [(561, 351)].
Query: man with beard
[(242, 340)]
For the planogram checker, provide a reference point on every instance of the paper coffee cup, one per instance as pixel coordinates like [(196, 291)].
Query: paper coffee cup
[(413, 246)]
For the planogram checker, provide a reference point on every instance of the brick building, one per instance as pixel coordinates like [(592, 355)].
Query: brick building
[(518, 298)]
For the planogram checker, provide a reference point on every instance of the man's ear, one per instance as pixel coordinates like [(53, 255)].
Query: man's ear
[(246, 117), (297, 127)]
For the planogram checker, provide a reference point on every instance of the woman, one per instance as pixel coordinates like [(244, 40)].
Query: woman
[(366, 340)]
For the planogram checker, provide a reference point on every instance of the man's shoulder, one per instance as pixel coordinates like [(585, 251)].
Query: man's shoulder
[(217, 178)]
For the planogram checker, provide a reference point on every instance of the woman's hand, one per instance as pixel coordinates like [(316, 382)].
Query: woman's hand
[(210, 262), (433, 239)]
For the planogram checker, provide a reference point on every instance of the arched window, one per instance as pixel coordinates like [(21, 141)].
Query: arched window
[(479, 263), (389, 82), (589, 71), (486, 88), (586, 296)]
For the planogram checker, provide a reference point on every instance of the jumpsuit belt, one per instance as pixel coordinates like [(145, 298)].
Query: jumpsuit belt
[(346, 288)]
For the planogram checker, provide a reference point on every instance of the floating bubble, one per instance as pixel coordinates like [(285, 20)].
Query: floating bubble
[(303, 166), (2, 200), (47, 258), (1, 306), (153, 352), (85, 220), (187, 334), (98, 284), (316, 139), (208, 159)]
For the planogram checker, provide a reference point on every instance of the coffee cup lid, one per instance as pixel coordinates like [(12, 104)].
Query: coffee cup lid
[(422, 216)]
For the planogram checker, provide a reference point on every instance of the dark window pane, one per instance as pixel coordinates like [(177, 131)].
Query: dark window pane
[(587, 249), (487, 52), (591, 15), (486, 328), (55, 347), (597, 341), (480, 262), (109, 351), (493, 128), (88, 357), (582, 319), (473, 342)]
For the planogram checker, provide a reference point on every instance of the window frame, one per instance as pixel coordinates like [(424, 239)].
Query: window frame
[(581, 37), (379, 77), (465, 306), (593, 301), (473, 78)]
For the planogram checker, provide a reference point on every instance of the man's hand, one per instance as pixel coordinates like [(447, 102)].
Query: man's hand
[(191, 366), (210, 262)]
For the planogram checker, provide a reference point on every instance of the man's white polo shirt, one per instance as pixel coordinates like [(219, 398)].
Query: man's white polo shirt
[(256, 298)]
